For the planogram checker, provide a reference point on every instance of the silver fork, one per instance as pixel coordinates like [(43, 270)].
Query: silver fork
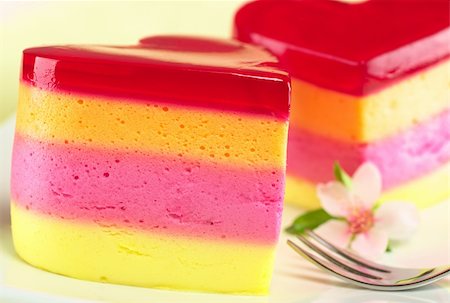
[(361, 272)]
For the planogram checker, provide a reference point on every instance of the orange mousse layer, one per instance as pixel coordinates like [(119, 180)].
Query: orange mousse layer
[(362, 119), (162, 128)]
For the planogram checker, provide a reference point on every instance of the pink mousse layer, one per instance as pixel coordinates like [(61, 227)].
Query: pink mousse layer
[(400, 158), (148, 192)]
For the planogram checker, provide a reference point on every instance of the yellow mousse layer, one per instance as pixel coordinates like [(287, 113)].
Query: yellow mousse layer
[(376, 116), (124, 256), (162, 128), (424, 192)]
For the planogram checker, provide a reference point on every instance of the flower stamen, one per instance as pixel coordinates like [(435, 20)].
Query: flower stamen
[(360, 220)]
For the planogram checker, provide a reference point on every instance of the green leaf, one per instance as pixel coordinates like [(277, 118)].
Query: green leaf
[(308, 220), (389, 247), (341, 175)]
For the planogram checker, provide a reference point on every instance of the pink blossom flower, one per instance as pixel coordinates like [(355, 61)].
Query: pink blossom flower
[(362, 227)]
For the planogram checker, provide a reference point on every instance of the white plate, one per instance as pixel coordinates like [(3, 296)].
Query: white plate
[(294, 280)]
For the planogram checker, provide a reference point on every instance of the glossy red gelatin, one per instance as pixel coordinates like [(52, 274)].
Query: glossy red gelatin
[(187, 70), (352, 48)]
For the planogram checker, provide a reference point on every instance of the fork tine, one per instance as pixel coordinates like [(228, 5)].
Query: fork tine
[(428, 276), (308, 256), (348, 255), (335, 261), (329, 267)]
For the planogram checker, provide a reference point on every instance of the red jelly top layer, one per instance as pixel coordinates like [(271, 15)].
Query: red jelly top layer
[(186, 70), (352, 48)]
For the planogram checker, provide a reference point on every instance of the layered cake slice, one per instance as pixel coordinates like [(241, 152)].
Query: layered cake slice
[(157, 165), (370, 83)]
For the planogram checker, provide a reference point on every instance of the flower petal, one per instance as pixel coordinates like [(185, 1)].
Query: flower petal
[(399, 219), (335, 198), (366, 184), (335, 232), (371, 244)]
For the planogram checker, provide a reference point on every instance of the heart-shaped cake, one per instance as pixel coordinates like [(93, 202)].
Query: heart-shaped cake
[(370, 84), (160, 164)]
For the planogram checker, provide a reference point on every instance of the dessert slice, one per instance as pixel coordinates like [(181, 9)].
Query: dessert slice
[(370, 83), (157, 165)]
